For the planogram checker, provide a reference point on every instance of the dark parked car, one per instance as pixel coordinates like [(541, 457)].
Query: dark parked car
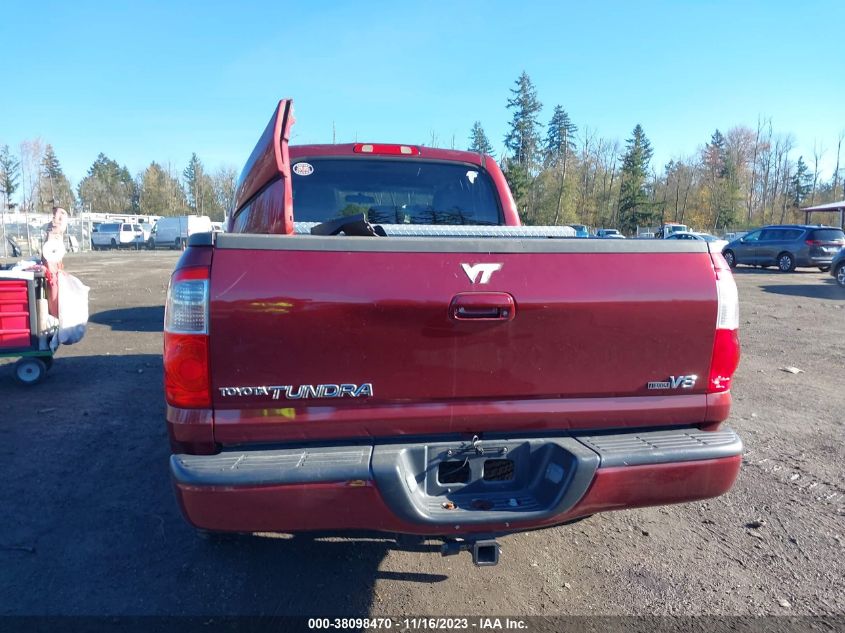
[(837, 268), (787, 246)]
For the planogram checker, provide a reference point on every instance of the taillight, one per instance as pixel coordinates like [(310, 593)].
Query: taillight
[(186, 376), (813, 242), (385, 148), (726, 351), (725, 360)]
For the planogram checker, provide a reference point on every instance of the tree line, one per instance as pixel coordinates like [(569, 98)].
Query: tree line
[(560, 174), (35, 174)]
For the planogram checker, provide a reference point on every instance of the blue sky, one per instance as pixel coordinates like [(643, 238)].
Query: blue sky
[(159, 80)]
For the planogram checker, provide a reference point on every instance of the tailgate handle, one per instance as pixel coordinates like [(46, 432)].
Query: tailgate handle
[(482, 306)]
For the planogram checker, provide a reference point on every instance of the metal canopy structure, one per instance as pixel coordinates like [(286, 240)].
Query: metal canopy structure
[(830, 207)]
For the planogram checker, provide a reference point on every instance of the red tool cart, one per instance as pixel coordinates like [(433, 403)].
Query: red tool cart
[(22, 329)]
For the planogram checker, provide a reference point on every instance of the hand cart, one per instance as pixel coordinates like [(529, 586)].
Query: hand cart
[(24, 324)]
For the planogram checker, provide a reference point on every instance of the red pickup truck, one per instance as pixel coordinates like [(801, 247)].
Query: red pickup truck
[(406, 358)]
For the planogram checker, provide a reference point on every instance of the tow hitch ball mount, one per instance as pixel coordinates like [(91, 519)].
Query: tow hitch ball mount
[(485, 553)]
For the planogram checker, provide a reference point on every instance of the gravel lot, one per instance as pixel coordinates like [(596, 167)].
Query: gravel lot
[(89, 524)]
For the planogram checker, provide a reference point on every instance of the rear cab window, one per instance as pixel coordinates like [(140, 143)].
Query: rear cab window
[(389, 191)]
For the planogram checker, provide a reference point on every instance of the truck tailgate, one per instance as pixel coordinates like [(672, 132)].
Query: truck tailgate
[(592, 323)]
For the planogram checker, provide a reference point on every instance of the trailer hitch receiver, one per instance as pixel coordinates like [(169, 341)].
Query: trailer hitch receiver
[(485, 553)]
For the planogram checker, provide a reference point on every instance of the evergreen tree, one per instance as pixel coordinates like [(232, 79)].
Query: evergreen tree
[(478, 141), (160, 193), (634, 206), (194, 179), (560, 137), (523, 138), (50, 163), (721, 181), (200, 190), (10, 172), (523, 143), (559, 147), (519, 182), (54, 188), (801, 183), (715, 155), (108, 187)]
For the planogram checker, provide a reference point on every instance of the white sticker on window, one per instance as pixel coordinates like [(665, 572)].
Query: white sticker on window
[(303, 169), (471, 176)]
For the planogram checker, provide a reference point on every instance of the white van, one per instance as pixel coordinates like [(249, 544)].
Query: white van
[(174, 232), (117, 235)]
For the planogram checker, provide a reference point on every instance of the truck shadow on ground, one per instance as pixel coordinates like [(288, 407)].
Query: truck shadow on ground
[(91, 525), (825, 289), (137, 319)]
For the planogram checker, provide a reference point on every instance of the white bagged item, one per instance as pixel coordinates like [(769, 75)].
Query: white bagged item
[(53, 251), (73, 309)]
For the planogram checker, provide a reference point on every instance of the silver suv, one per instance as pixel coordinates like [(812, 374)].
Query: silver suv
[(787, 246)]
